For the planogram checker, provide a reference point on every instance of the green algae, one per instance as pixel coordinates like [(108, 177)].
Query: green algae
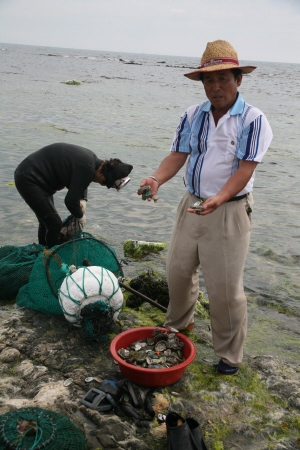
[(246, 400), (151, 284), (154, 285), (71, 82), (202, 307), (139, 249), (146, 315)]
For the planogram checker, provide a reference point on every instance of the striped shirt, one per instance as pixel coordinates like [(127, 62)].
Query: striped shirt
[(215, 150)]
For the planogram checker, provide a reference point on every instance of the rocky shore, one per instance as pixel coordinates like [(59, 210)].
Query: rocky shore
[(257, 409)]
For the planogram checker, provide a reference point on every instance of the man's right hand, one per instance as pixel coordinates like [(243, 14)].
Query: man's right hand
[(154, 185)]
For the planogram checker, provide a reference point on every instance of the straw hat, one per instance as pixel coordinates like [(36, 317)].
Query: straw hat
[(218, 55)]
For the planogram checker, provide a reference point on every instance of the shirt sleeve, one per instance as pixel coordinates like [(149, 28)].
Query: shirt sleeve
[(181, 140), (256, 138), (182, 137)]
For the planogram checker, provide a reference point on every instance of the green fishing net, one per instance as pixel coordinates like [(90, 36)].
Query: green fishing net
[(36, 428), (15, 267), (52, 266), (97, 319)]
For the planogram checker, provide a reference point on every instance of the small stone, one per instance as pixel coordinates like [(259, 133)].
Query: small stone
[(9, 355)]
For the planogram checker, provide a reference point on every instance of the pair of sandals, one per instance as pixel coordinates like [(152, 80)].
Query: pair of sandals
[(183, 433)]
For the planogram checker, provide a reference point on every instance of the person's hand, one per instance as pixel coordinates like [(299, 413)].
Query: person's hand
[(209, 206), (83, 205), (82, 221), (153, 183)]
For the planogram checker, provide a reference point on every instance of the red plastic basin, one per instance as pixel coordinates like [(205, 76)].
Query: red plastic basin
[(150, 377)]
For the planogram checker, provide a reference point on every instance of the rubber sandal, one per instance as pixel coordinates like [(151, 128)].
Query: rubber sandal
[(197, 437), (178, 433)]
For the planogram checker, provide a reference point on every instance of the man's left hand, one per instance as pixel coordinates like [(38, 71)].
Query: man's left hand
[(82, 221), (209, 206)]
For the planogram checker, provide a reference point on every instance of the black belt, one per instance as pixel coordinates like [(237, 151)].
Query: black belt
[(235, 199)]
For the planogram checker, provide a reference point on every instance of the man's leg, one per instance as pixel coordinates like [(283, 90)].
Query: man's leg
[(182, 267), (222, 251)]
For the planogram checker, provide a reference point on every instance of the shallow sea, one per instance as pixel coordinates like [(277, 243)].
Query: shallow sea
[(128, 106)]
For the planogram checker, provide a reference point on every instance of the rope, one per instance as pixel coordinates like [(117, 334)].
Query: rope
[(38, 437), (82, 287)]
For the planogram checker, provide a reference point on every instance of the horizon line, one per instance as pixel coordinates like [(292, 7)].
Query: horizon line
[(136, 53)]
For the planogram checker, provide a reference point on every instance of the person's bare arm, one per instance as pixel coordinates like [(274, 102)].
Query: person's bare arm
[(169, 166), (234, 185)]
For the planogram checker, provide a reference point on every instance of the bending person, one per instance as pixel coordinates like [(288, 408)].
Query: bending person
[(55, 167)]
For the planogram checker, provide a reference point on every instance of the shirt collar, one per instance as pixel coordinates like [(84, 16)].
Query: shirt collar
[(236, 109)]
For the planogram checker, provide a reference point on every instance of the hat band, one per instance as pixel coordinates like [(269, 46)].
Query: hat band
[(214, 61)]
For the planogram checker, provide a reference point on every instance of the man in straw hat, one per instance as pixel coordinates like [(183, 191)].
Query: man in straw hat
[(222, 139)]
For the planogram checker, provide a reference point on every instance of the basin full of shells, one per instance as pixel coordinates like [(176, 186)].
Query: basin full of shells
[(149, 372)]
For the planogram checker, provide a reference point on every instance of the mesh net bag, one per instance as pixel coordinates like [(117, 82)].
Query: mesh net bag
[(52, 266), (15, 267), (37, 428), (70, 226), (91, 298)]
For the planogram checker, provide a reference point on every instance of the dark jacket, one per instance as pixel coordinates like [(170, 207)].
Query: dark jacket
[(59, 166)]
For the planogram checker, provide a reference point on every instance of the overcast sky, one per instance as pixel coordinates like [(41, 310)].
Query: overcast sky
[(260, 30)]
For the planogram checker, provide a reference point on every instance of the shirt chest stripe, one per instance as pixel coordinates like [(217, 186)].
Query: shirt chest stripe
[(179, 132), (253, 139), (202, 149)]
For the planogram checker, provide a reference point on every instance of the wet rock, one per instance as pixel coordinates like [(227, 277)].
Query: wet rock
[(9, 355), (150, 284), (50, 392), (121, 430), (28, 370), (134, 444), (10, 387), (159, 432)]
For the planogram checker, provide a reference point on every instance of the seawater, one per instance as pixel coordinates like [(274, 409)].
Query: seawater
[(128, 106)]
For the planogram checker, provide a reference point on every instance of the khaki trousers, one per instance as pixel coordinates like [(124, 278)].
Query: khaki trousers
[(218, 242)]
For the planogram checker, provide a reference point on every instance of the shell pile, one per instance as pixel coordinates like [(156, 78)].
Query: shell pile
[(160, 351)]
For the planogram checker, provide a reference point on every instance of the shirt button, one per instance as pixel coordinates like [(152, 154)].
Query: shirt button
[(232, 142)]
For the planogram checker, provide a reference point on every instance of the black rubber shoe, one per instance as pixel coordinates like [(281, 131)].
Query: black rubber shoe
[(197, 437), (225, 369), (178, 433)]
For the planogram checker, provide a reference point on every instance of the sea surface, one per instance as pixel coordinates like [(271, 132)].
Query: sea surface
[(128, 106)]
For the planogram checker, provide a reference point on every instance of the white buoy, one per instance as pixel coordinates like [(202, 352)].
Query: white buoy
[(89, 285)]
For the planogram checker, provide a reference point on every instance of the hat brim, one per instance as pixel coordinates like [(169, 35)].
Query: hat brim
[(195, 75)]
